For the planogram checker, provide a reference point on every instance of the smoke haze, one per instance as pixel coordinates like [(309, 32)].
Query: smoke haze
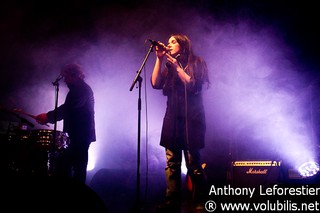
[(260, 104)]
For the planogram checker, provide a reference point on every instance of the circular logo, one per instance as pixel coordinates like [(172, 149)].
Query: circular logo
[(210, 206)]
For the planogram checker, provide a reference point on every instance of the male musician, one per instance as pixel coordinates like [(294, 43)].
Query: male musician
[(77, 114)]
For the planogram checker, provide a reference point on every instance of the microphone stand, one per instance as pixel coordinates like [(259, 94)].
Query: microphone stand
[(51, 155), (139, 80)]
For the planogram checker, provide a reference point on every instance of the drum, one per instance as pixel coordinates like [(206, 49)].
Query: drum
[(18, 137), (43, 138)]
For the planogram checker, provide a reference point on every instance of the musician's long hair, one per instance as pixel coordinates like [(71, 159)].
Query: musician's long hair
[(187, 58)]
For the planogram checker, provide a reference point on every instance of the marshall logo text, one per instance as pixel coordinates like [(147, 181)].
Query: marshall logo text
[(253, 171)]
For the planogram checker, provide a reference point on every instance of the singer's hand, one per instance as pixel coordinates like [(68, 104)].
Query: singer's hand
[(173, 61)]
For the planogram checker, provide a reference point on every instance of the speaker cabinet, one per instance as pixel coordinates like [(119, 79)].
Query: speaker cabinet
[(255, 173)]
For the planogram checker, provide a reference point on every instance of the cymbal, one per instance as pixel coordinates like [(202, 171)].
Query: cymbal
[(14, 113)]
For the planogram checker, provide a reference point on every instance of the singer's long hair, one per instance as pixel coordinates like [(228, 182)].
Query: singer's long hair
[(187, 58)]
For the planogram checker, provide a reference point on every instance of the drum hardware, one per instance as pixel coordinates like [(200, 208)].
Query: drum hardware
[(43, 138), (34, 153)]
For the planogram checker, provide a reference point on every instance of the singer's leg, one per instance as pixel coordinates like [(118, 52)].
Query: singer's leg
[(173, 181)]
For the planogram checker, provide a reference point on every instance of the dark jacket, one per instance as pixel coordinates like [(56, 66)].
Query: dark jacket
[(77, 113)]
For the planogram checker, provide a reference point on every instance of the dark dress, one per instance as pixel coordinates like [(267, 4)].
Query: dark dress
[(183, 102)]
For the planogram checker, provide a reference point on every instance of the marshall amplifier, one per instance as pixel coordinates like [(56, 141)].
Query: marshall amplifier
[(255, 173)]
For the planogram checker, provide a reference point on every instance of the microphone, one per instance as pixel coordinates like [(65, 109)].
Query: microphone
[(57, 80), (161, 46)]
